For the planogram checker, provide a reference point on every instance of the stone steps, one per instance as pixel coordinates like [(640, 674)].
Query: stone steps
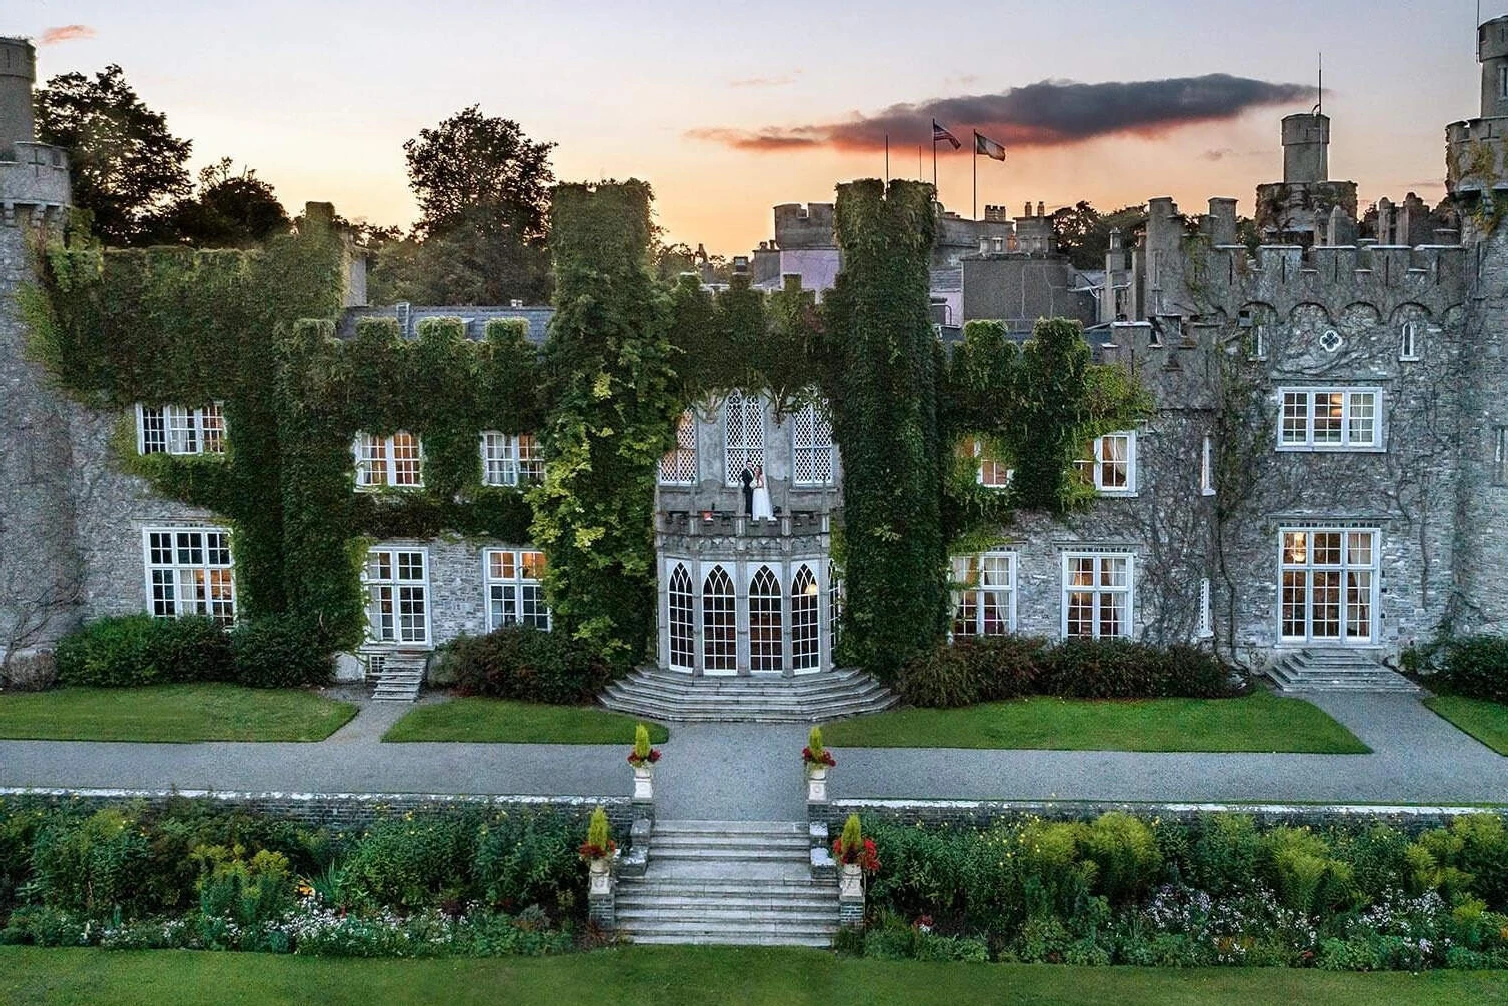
[(734, 883), (1336, 671), (662, 695), (397, 678)]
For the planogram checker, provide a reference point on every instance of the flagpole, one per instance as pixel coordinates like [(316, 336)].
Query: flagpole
[(887, 160), (934, 169), (975, 159)]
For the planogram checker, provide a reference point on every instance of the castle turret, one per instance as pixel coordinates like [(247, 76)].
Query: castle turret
[(39, 560), (1475, 160), (1297, 210), (1306, 148)]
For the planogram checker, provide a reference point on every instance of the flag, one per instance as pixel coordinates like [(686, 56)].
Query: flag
[(939, 133), (988, 147)]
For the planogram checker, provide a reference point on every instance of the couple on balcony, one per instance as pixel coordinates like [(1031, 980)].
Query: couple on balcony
[(756, 494)]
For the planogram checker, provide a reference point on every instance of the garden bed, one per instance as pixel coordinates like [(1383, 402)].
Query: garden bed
[(172, 713), (693, 975), (499, 721), (1260, 722)]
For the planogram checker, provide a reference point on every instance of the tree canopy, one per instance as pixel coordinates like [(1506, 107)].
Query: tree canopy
[(471, 162), (125, 165), (229, 210)]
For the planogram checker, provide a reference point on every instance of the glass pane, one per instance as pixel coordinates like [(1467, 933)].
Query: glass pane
[(1325, 618), (1326, 548)]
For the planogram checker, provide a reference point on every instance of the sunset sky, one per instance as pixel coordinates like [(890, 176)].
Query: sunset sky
[(728, 109)]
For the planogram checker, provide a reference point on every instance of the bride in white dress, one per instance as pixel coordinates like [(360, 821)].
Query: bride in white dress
[(762, 509)]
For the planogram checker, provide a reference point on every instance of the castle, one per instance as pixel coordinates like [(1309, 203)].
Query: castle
[(1324, 475)]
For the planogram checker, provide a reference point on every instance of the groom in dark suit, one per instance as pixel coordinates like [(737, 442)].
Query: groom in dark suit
[(747, 478)]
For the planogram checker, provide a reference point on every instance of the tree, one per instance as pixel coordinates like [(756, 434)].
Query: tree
[(484, 197), (1083, 233), (125, 165), (473, 162), (229, 211)]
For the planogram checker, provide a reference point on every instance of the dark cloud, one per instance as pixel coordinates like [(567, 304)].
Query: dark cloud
[(65, 33), (1046, 114)]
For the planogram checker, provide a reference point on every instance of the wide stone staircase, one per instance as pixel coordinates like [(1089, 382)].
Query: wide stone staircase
[(659, 694), (396, 677), (728, 882), (1336, 671)]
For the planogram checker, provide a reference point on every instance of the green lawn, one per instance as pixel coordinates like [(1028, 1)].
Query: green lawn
[(1259, 722), (1484, 720), (495, 721), (666, 976), (198, 712)]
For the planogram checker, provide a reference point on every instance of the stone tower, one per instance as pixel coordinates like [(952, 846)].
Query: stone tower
[(1297, 210), (39, 561)]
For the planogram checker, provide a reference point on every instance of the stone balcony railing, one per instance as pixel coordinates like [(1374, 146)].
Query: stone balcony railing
[(724, 523)]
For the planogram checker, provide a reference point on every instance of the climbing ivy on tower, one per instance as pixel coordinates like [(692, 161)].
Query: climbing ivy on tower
[(614, 400), (881, 362)]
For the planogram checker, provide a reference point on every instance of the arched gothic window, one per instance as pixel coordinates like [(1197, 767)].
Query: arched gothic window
[(743, 435), (766, 647), (719, 623), (682, 620), (812, 446), (805, 653)]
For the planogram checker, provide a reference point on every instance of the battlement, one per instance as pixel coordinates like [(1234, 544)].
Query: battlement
[(1476, 158), (805, 226), (38, 178)]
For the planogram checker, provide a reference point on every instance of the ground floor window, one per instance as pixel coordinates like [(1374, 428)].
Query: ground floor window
[(806, 650), (1328, 584), (721, 618), (766, 640), (515, 588), (719, 622), (984, 594), (397, 586), (1097, 596), (189, 573), (682, 610)]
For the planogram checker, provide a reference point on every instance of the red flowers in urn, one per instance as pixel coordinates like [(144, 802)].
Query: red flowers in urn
[(814, 755), (642, 755), (853, 848)]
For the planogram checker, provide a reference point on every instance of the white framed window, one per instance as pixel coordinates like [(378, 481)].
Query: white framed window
[(515, 588), (396, 461), (743, 436), (397, 586), (1337, 419), (678, 466), (1097, 595), (174, 429), (1408, 338), (836, 599), (766, 622), (812, 446), (682, 611), (719, 623), (989, 472), (189, 572), (984, 595), (1112, 467), (1206, 610), (1256, 343), (1329, 582), (806, 650), (511, 459), (1207, 466)]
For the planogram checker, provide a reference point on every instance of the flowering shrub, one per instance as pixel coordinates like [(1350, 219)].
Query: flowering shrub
[(1220, 890), (642, 754), (814, 755), (852, 848)]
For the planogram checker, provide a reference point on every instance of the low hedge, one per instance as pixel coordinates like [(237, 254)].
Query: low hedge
[(280, 653), (525, 664), (992, 669), (121, 651), (1477, 667), (1220, 889)]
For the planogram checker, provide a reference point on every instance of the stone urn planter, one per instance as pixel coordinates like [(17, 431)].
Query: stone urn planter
[(816, 784), (850, 882), (644, 781), (600, 875)]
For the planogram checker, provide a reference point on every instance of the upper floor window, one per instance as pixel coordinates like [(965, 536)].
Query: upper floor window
[(678, 466), (388, 461), (812, 446), (1207, 466), (1408, 342), (515, 588), (173, 429), (1503, 82), (511, 459), (743, 436), (397, 586), (189, 573), (989, 472), (984, 594), (1329, 419), (1111, 469)]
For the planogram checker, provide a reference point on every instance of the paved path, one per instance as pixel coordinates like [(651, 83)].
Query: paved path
[(749, 772)]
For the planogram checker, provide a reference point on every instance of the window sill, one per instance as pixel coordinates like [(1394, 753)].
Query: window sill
[(1328, 449)]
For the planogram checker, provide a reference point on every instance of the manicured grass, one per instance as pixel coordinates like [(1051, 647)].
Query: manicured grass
[(1484, 720), (667, 976), (495, 721), (1259, 722), (173, 713)]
